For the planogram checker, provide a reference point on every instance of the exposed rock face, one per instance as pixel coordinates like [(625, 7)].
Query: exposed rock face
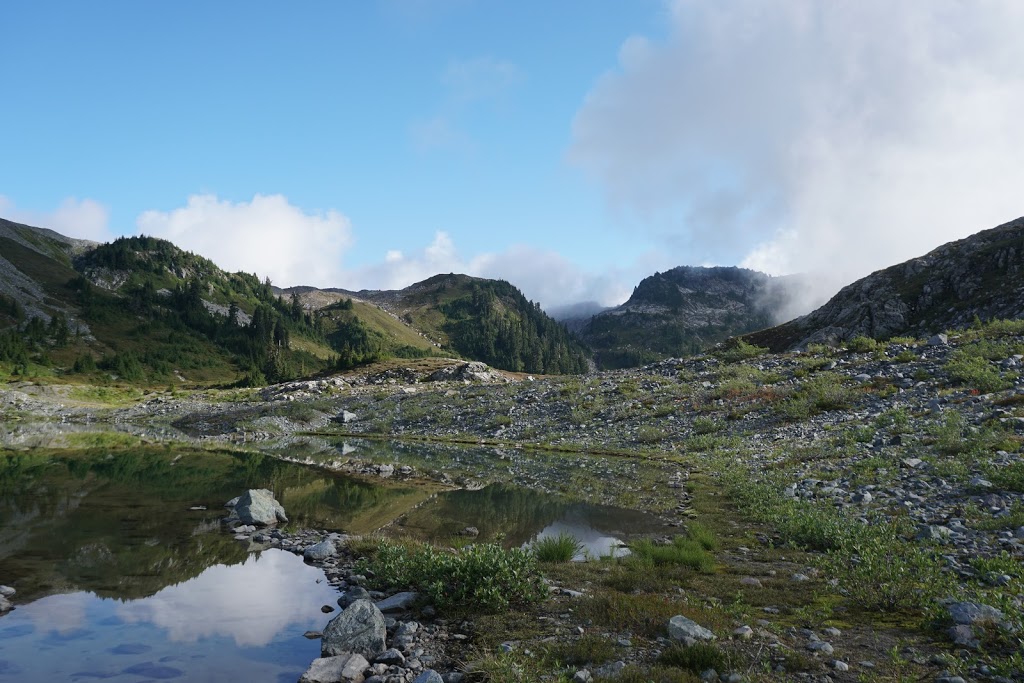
[(982, 275), (683, 311), (258, 506), (359, 629)]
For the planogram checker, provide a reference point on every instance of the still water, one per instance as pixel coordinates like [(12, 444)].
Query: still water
[(123, 573)]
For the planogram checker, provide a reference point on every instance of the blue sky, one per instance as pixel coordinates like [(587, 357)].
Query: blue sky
[(570, 147)]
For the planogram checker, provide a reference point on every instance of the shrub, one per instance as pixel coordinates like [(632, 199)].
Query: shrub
[(589, 649), (561, 548), (821, 393), (736, 350), (862, 344), (702, 535), (975, 372), (487, 578), (697, 658)]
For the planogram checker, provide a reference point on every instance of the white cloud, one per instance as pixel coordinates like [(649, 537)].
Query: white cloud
[(837, 137), (544, 276), (82, 218), (268, 236)]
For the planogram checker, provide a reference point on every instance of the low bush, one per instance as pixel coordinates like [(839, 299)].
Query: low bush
[(976, 372), (736, 350), (697, 658), (862, 344), (487, 577)]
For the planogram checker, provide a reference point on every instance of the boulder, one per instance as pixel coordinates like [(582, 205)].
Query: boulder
[(353, 594), (258, 506), (347, 417), (399, 602), (687, 631), (359, 629), (321, 551), (5, 605), (346, 667)]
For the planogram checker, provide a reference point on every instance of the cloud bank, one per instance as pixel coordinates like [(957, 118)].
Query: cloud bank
[(833, 137), (268, 236), (85, 219), (542, 275)]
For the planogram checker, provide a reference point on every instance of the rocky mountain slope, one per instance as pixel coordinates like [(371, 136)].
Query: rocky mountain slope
[(681, 312), (486, 320), (981, 276)]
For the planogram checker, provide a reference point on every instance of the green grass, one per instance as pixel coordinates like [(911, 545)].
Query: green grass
[(561, 548), (682, 551), (696, 658)]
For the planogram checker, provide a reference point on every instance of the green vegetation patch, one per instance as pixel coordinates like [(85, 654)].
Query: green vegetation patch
[(484, 577)]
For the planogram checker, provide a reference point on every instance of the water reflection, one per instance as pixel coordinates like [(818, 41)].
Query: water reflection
[(515, 516), (594, 543), (240, 622), (250, 603)]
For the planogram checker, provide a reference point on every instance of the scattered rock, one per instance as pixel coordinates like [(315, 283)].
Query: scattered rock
[(688, 631), (343, 667)]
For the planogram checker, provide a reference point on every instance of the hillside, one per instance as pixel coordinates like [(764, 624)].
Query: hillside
[(981, 276), (681, 312), (486, 320), (141, 310)]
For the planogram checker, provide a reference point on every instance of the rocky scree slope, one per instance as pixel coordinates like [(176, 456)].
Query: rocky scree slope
[(683, 311), (980, 276)]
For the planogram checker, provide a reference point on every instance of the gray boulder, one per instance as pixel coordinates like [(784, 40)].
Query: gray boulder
[(5, 605), (258, 506), (974, 613), (321, 551), (688, 631), (346, 667), (359, 629), (399, 602), (353, 594)]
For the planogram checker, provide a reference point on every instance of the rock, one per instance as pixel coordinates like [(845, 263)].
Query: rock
[(313, 635), (344, 667), (326, 609), (428, 676), (932, 532), (963, 635), (353, 594), (399, 602), (864, 497), (821, 646), (258, 506), (840, 665), (347, 417), (582, 676), (743, 633), (687, 631), (911, 463), (359, 629), (938, 340), (7, 591), (471, 531), (751, 582), (391, 657), (5, 605), (321, 551), (974, 613)]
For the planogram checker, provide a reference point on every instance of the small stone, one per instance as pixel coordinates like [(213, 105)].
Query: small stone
[(582, 676), (743, 633), (391, 657), (353, 594), (347, 417), (8, 592), (821, 646), (313, 635), (428, 676), (751, 581), (321, 551), (840, 665), (938, 340), (687, 631), (326, 609)]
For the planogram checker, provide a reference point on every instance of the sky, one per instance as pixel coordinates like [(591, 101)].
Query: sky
[(570, 147)]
